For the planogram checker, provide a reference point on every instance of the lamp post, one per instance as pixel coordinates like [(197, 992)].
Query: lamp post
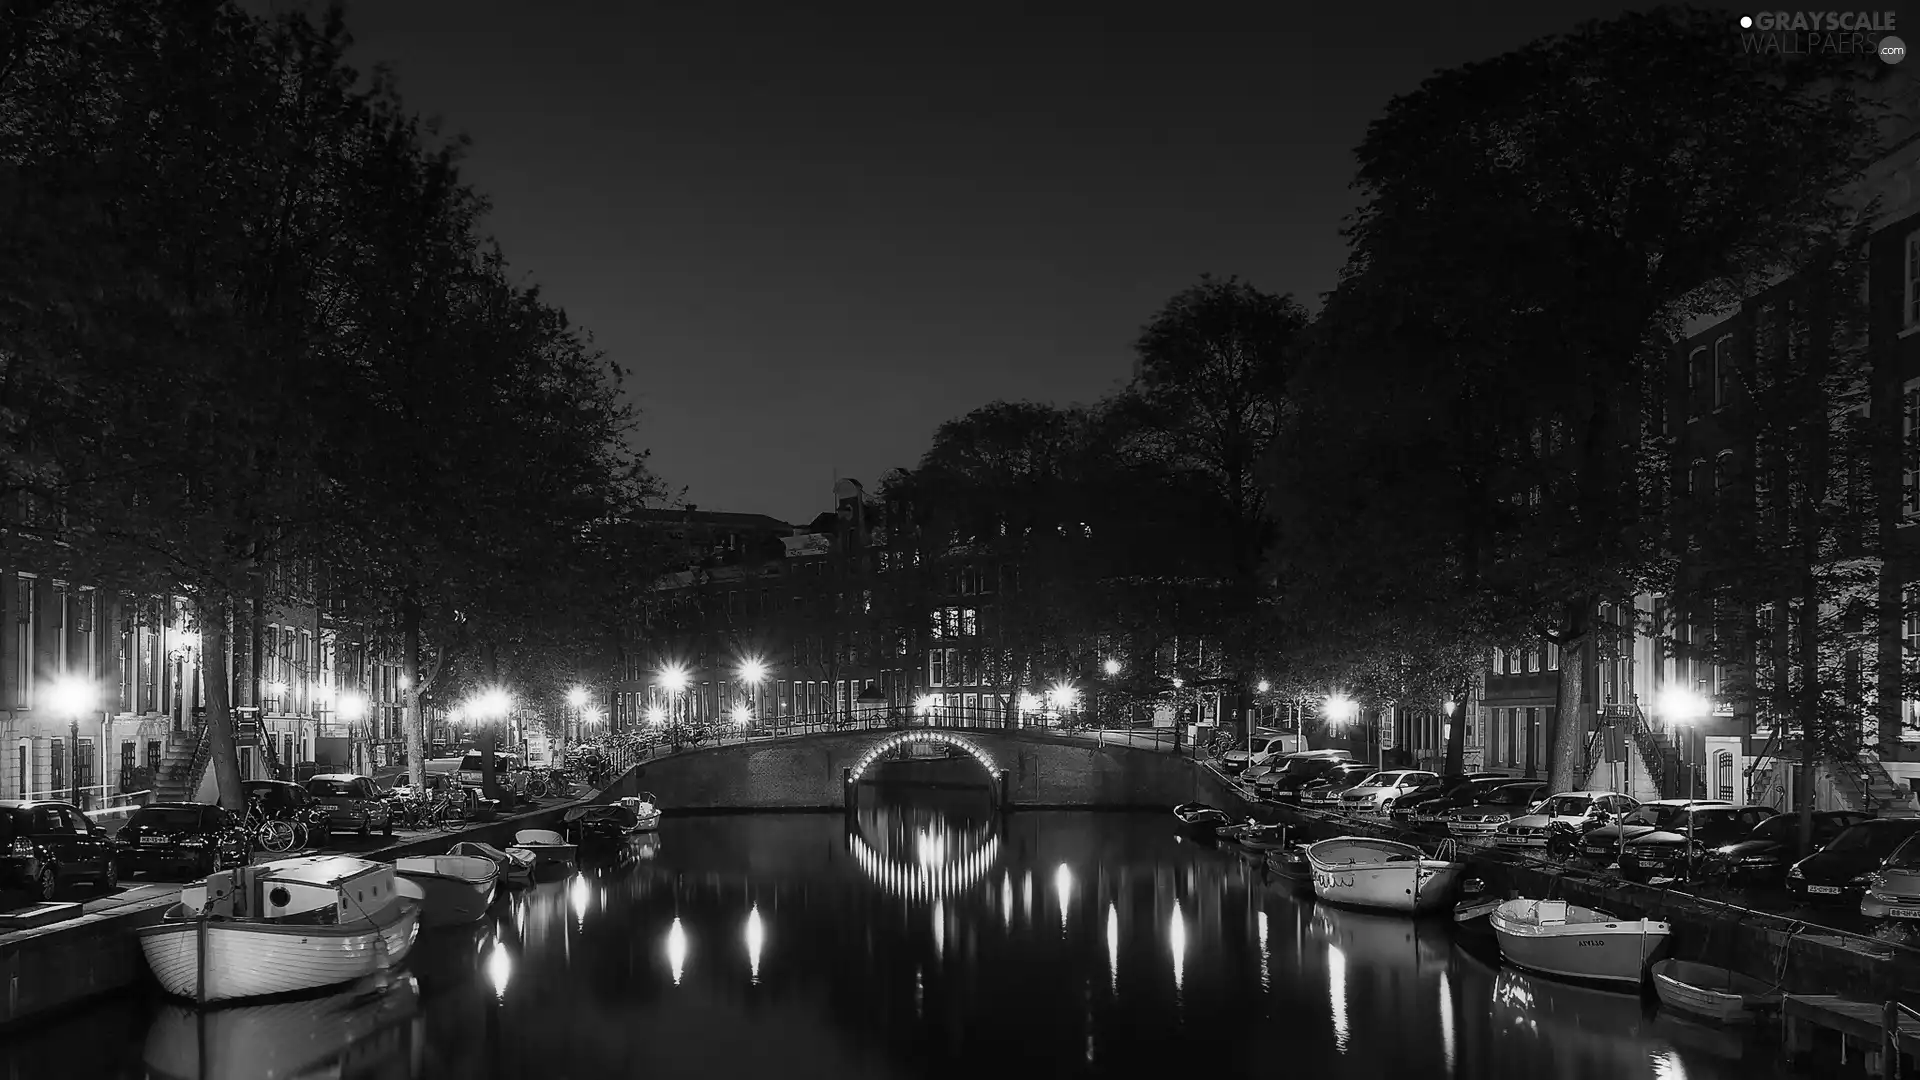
[(1112, 667), (1340, 708), (71, 697), (753, 672), (577, 697), (1680, 706), (351, 708), (674, 679)]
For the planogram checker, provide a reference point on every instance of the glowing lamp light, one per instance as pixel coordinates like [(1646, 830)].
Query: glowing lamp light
[(1340, 707), (1680, 703), (741, 715), (70, 697), (677, 950), (1449, 707), (1029, 702), (926, 704), (1263, 686), (1111, 667), (674, 678), (752, 671), (656, 715), (276, 688), (1178, 682), (756, 941), (1062, 695), (186, 639), (592, 716), (350, 707), (491, 704), (577, 697)]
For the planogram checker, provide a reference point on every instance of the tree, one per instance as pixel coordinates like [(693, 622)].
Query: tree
[(1205, 404), (1579, 199)]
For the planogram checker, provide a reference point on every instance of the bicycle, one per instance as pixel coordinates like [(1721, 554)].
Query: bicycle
[(271, 833)]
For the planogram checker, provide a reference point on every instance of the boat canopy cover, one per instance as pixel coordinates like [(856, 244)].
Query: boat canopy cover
[(319, 869)]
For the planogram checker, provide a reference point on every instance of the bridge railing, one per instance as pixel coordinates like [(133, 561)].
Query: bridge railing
[(653, 740)]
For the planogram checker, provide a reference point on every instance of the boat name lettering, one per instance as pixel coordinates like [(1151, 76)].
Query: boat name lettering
[(1332, 881), (1592, 943)]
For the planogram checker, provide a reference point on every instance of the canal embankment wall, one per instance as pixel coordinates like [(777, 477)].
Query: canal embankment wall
[(60, 965), (809, 774)]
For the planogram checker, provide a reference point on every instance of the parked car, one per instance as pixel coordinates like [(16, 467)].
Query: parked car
[(508, 772), (1569, 809), (1263, 745), (355, 802), (1603, 843), (292, 802), (1482, 820), (1297, 771), (1680, 845), (1325, 792), (195, 838), (1839, 872), (1375, 794), (49, 845), (1893, 891), (1767, 851), (1432, 802)]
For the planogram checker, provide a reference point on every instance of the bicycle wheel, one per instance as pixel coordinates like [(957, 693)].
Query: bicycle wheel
[(276, 836), (299, 834)]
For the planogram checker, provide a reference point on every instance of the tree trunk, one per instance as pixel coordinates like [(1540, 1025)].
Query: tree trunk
[(1567, 760), (257, 647), (1809, 709), (214, 639), (413, 723), (1457, 731), (490, 726)]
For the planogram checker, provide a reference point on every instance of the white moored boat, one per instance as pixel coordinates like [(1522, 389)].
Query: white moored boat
[(1382, 874), (458, 888), (547, 847), (646, 811), (1558, 938), (514, 865), (371, 1023), (297, 924)]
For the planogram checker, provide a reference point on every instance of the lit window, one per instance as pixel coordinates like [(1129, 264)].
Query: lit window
[(1723, 374), (1913, 279)]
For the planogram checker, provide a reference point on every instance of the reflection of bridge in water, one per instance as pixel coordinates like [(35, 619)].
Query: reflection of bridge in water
[(923, 853)]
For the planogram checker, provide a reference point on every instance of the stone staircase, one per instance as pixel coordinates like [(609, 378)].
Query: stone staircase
[(183, 761), (1869, 788)]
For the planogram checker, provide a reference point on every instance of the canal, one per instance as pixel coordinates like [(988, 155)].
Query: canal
[(933, 941)]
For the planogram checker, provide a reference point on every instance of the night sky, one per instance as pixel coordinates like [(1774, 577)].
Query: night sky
[(813, 239)]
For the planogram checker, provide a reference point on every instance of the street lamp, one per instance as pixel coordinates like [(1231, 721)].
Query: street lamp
[(1063, 696), (71, 697), (1111, 667), (1679, 706), (490, 706), (577, 697), (741, 716), (753, 672), (1263, 686), (656, 715)]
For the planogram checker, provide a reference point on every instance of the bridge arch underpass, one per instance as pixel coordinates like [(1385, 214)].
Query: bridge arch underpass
[(857, 773)]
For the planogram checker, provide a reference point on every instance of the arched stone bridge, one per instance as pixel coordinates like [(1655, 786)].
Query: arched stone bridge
[(1027, 770)]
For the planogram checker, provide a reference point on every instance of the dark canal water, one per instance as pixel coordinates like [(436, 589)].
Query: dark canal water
[(934, 943)]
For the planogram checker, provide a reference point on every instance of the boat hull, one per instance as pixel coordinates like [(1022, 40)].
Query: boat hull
[(1711, 993), (252, 959), (1411, 885), (287, 1038), (452, 901), (1587, 951)]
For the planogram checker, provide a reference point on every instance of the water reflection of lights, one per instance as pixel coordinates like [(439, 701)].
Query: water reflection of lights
[(1266, 975), (499, 969), (1063, 885), (1337, 992), (939, 928), (932, 848), (756, 940), (925, 880), (1446, 1021), (1006, 900), (1666, 1066), (677, 950), (1177, 941), (1113, 946), (578, 893)]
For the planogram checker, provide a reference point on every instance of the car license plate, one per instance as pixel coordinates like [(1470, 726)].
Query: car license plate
[(1651, 862), (1599, 851), (1903, 912), (1824, 890)]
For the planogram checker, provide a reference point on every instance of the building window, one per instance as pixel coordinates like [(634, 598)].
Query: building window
[(57, 764), (1723, 374), (1722, 472), (1533, 661), (937, 667), (23, 617), (1553, 657), (1696, 382), (1913, 280)]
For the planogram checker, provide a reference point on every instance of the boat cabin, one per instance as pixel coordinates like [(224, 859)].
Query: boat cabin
[(320, 889)]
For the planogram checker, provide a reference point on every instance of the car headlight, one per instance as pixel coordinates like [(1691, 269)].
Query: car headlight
[(1860, 880)]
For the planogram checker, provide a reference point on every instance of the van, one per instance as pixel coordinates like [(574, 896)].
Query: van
[(507, 771), (1263, 746)]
